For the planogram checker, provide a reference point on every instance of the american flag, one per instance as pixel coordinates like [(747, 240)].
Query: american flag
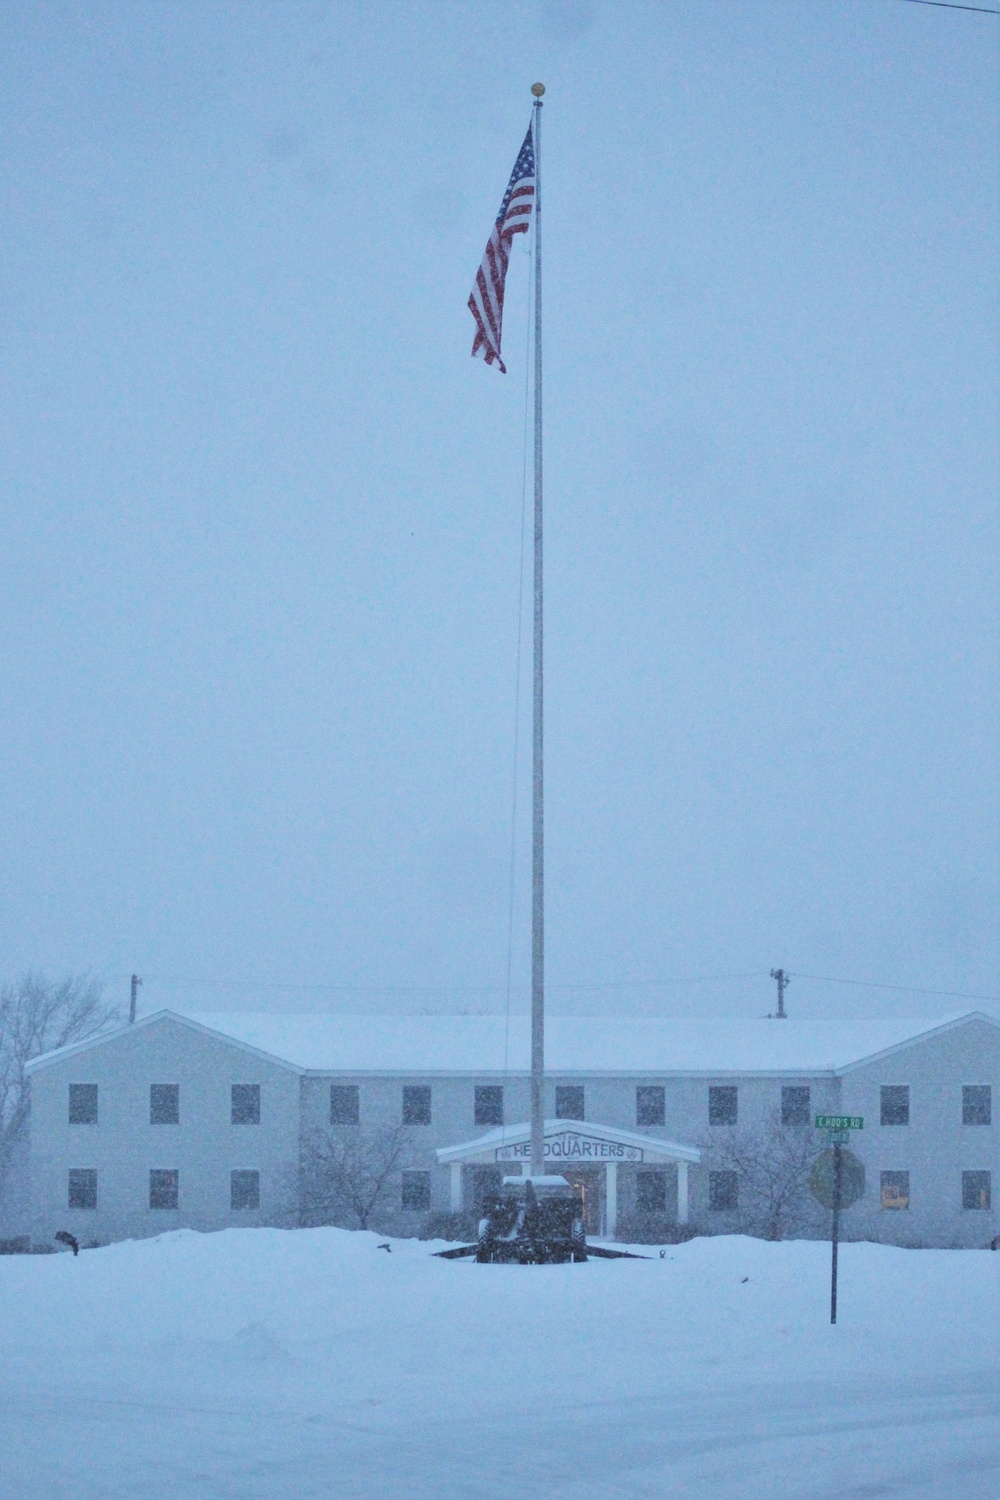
[(486, 301)]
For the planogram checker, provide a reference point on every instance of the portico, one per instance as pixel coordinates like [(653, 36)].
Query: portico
[(572, 1145)]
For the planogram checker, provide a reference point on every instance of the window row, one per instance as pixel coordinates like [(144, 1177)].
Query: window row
[(977, 1104), (570, 1104), (165, 1188), (345, 1104), (415, 1190), (244, 1189), (894, 1105), (894, 1191), (165, 1104)]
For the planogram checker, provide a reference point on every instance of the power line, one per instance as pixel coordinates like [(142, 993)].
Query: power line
[(442, 989), (613, 984), (639, 984), (979, 10), (904, 989)]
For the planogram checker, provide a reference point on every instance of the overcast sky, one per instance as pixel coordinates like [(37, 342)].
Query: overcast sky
[(261, 511)]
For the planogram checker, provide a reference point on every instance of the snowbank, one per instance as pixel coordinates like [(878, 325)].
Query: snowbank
[(140, 1364)]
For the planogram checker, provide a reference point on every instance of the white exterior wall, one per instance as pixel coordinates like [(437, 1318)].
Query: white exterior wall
[(607, 1101), (205, 1147), (123, 1146), (612, 1101), (935, 1148), (380, 1100), (759, 1104)]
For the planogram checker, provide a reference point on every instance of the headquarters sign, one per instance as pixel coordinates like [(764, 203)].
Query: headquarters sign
[(571, 1146)]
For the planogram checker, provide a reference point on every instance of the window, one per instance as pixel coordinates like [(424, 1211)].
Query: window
[(164, 1188), (650, 1106), (896, 1104), (416, 1191), (569, 1101), (489, 1104), (976, 1190), (344, 1106), (82, 1187), (417, 1104), (795, 1104), (650, 1192), (722, 1105), (895, 1190), (244, 1190), (977, 1104), (723, 1192), (164, 1104), (245, 1104), (83, 1104)]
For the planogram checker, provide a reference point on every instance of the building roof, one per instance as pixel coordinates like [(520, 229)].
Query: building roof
[(586, 1045), (573, 1044)]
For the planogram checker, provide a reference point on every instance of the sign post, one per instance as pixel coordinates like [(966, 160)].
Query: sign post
[(835, 1234), (838, 1133)]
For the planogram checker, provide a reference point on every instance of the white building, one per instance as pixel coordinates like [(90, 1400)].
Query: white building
[(199, 1122)]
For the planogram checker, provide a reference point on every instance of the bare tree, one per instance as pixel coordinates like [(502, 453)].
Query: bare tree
[(345, 1173), (772, 1165), (38, 1015)]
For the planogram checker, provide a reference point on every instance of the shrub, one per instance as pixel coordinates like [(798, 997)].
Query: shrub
[(652, 1229), (463, 1227)]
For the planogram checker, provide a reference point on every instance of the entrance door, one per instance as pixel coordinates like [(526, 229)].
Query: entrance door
[(589, 1181)]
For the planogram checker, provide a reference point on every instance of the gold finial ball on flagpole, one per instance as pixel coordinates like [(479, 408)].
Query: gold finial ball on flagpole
[(538, 89)]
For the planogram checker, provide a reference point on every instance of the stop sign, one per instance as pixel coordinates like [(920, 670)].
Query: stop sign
[(852, 1178)]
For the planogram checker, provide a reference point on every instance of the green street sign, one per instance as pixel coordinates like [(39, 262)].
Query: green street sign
[(840, 1122), (852, 1179)]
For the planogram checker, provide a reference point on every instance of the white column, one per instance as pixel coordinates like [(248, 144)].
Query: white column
[(611, 1198), (682, 1192), (456, 1187)]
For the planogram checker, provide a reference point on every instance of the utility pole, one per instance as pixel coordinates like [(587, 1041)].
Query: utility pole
[(136, 981), (782, 979)]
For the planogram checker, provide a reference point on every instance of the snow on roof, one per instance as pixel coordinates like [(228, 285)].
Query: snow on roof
[(573, 1044)]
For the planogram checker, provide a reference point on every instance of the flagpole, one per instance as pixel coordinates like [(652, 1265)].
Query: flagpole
[(537, 781)]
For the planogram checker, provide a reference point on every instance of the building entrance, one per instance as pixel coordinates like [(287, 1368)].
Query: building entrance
[(590, 1181), (588, 1154)]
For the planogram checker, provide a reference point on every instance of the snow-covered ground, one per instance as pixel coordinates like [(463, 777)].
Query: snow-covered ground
[(258, 1364)]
